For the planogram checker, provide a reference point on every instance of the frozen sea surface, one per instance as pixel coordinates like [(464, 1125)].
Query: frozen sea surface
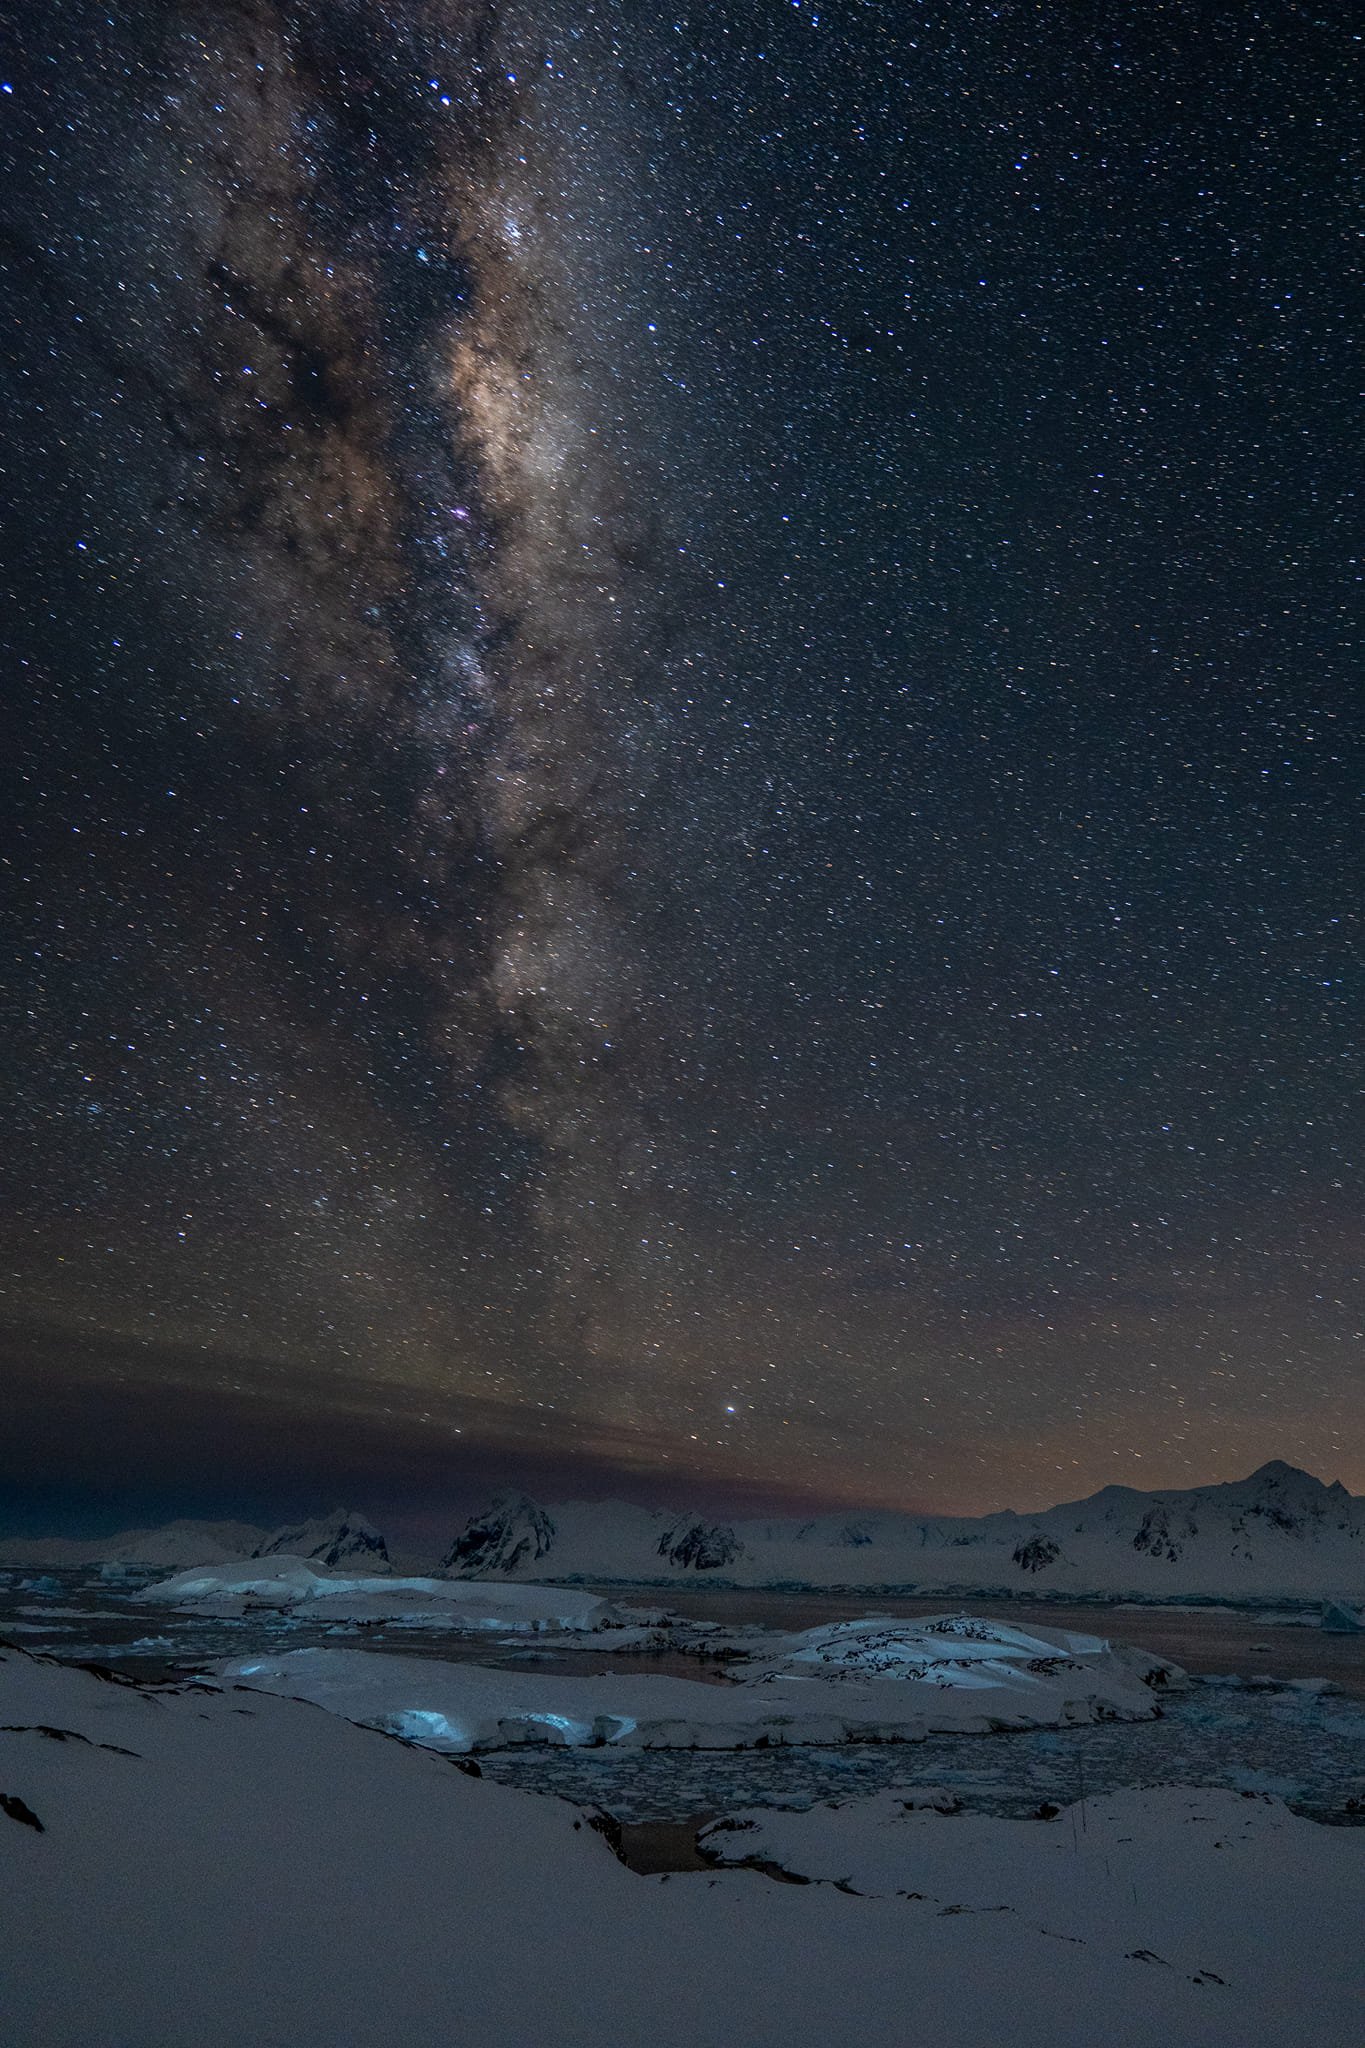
[(1309, 1748), (1262, 1737)]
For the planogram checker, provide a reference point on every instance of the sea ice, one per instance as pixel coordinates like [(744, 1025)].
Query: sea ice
[(294, 1582), (873, 1681)]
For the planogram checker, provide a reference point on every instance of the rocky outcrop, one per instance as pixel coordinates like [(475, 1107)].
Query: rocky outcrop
[(337, 1539), (698, 1545), (1037, 1554), (509, 1536), (1156, 1538)]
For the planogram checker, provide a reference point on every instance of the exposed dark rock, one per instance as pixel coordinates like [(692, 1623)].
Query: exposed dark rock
[(17, 1809), (1037, 1554), (1154, 1536), (506, 1537), (342, 1538), (699, 1546), (63, 1735)]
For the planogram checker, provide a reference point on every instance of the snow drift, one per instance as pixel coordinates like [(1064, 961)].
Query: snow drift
[(1212, 1884)]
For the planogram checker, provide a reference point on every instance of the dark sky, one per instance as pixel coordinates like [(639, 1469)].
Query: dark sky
[(683, 806)]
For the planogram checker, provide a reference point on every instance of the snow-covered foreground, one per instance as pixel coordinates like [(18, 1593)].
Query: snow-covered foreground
[(295, 1582), (1226, 1889), (239, 1871), (869, 1681)]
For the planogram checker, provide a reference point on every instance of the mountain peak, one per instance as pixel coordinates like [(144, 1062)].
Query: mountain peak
[(513, 1532), (343, 1537), (1275, 1472)]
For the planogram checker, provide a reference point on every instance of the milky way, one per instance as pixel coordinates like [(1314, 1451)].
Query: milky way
[(570, 758), (444, 541), (686, 800)]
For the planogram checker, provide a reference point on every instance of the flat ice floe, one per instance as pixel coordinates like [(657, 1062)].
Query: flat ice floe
[(870, 1681), (289, 1583)]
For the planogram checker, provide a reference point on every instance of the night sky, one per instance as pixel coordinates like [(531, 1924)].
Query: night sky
[(681, 802)]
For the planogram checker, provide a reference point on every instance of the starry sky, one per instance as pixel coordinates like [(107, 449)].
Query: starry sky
[(682, 815)]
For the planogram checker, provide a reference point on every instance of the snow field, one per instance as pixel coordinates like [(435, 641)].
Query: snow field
[(1229, 1889), (240, 1871)]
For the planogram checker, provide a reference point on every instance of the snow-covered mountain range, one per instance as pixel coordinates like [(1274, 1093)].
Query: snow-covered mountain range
[(337, 1539), (340, 1538), (172, 1547), (1280, 1533)]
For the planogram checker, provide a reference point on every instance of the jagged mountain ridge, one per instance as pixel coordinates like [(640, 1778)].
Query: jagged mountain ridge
[(511, 1532), (341, 1538), (1278, 1532), (174, 1546)]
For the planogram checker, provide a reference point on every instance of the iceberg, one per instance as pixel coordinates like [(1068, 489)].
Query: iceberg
[(948, 1649), (293, 1583), (873, 1681)]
